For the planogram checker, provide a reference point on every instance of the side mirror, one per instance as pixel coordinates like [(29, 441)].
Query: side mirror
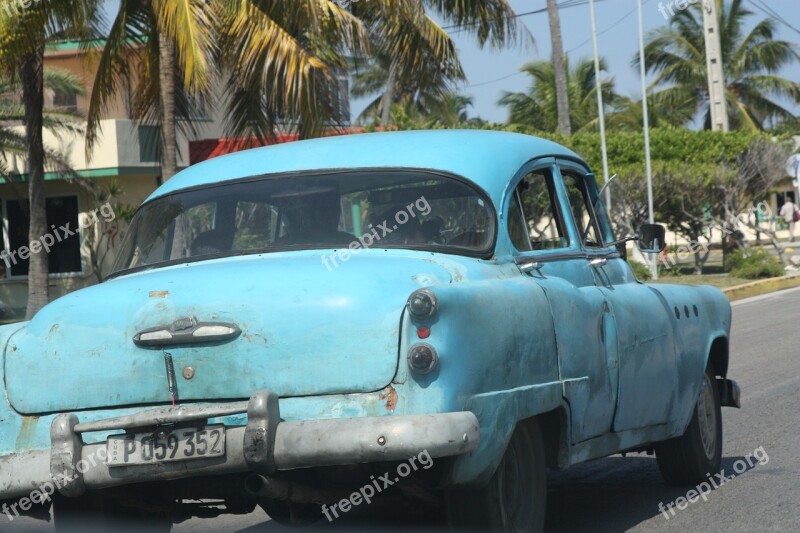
[(652, 238)]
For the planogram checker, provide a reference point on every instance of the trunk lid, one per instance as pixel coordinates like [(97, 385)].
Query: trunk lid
[(305, 331)]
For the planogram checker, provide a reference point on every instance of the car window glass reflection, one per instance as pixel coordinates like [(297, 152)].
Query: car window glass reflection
[(538, 202), (579, 201), (392, 209)]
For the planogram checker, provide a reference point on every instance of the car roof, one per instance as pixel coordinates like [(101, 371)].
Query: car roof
[(488, 158)]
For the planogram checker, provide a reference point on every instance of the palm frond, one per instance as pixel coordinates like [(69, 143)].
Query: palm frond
[(190, 24), (493, 21), (676, 54)]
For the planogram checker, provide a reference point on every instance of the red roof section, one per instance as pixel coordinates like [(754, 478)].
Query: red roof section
[(210, 148)]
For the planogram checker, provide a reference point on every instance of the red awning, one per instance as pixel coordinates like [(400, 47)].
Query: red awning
[(209, 148)]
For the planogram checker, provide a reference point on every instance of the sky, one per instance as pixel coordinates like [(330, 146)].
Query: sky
[(618, 41), (492, 72)]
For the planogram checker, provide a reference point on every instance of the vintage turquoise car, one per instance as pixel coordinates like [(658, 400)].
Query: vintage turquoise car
[(287, 326)]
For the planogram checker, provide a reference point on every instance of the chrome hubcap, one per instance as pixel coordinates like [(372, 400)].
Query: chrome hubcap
[(707, 418)]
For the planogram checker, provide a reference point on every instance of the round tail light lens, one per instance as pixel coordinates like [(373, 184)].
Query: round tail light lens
[(422, 304), (422, 358)]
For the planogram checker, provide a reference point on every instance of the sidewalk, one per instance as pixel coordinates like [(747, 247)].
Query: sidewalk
[(764, 286)]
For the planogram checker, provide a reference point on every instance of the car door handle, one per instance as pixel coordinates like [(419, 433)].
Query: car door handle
[(532, 265), (187, 331), (598, 262)]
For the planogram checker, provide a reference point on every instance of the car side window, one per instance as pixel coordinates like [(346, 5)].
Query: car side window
[(582, 212), (534, 223)]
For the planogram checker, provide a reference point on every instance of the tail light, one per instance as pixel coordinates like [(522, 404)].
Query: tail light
[(422, 304), (422, 358)]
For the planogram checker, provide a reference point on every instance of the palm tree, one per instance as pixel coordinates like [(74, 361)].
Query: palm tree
[(414, 54), (22, 42), (427, 92), (165, 49), (448, 112), (57, 122), (676, 54), (277, 61), (286, 57), (539, 108), (283, 61), (627, 115)]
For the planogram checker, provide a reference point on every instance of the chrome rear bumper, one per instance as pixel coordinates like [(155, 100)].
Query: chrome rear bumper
[(264, 445)]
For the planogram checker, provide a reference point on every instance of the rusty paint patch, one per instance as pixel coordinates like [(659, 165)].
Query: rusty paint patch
[(390, 395), (159, 294), (27, 433)]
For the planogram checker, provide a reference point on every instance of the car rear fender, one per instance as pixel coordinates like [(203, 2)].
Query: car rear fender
[(701, 318)]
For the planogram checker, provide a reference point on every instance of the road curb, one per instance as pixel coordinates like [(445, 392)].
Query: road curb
[(763, 286)]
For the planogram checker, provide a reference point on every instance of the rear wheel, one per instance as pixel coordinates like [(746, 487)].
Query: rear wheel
[(515, 497), (690, 458)]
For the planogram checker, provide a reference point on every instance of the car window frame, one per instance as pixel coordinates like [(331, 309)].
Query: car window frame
[(573, 248), (552, 188), (599, 218), (484, 253)]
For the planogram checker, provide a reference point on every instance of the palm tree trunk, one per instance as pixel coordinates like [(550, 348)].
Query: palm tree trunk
[(166, 68), (562, 98), (388, 94), (33, 100), (169, 147)]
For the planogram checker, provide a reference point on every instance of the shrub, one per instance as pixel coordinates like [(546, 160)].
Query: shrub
[(754, 264), (641, 270)]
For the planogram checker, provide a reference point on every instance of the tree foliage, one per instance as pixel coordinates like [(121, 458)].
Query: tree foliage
[(538, 108), (751, 63)]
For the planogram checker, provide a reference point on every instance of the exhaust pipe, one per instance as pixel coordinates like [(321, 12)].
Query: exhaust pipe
[(285, 491)]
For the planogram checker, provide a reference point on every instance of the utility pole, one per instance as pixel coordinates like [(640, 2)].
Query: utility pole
[(562, 98), (600, 108), (716, 77), (646, 130)]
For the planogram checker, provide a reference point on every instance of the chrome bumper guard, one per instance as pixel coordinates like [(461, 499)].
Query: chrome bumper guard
[(263, 446)]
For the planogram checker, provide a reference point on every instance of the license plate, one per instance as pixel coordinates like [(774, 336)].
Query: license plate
[(180, 444)]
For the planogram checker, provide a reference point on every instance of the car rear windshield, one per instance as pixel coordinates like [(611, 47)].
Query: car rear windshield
[(366, 209)]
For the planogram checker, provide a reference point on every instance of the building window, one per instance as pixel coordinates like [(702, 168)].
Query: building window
[(342, 100), (196, 108), (65, 252), (149, 143), (65, 101)]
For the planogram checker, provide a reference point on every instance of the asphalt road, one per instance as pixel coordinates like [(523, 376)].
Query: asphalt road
[(623, 494)]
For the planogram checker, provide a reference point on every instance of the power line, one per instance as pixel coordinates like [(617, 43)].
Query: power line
[(571, 3), (494, 81), (614, 25), (563, 5), (771, 13)]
